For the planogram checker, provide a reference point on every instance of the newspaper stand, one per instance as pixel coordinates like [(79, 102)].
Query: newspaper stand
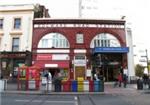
[(28, 78), (34, 78)]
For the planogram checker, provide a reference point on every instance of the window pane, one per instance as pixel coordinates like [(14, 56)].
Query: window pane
[(44, 42), (105, 40), (1, 23), (17, 23), (79, 38), (80, 57), (15, 44), (55, 40)]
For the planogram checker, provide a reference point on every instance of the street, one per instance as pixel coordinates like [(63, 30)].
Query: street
[(86, 99)]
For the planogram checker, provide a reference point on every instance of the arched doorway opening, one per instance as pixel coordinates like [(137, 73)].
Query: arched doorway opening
[(107, 56), (53, 54)]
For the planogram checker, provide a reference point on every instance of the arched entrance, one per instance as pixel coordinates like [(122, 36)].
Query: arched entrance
[(52, 54), (108, 56)]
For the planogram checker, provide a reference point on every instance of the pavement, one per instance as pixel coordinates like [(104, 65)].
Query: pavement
[(108, 89)]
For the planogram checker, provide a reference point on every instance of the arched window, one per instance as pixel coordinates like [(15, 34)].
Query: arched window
[(105, 40), (53, 40)]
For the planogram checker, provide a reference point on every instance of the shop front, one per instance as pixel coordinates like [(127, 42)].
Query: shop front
[(53, 63), (109, 61), (79, 66), (10, 61)]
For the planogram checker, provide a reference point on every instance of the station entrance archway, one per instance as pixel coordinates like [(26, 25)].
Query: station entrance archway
[(108, 65)]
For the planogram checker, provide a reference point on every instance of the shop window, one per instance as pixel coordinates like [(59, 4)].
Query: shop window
[(79, 57), (1, 23), (64, 73), (17, 23), (45, 42), (22, 73), (15, 44)]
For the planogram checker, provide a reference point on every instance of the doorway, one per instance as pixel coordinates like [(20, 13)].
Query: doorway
[(79, 72), (109, 64)]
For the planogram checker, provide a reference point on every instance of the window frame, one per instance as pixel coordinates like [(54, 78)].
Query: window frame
[(79, 38), (14, 23), (15, 46), (1, 28), (55, 40)]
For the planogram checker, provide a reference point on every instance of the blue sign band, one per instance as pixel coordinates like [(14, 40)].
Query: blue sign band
[(111, 50)]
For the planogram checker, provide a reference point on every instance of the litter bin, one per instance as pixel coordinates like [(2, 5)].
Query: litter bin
[(43, 84), (5, 84), (57, 85), (66, 86), (49, 86), (74, 86), (86, 86), (80, 86), (97, 86), (140, 84), (91, 86), (32, 84), (23, 85)]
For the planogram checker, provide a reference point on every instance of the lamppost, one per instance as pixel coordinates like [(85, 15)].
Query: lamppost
[(146, 57), (0, 66), (147, 61)]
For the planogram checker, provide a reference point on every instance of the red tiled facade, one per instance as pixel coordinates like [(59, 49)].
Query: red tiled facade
[(70, 34)]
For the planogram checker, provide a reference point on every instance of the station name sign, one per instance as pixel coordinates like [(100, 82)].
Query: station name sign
[(111, 50), (79, 25)]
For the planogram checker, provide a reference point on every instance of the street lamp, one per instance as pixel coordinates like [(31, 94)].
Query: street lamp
[(146, 56), (147, 60)]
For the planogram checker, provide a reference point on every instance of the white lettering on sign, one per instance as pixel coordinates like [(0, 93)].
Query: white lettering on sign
[(79, 25), (53, 51), (79, 62), (44, 57), (60, 57), (52, 57), (51, 65)]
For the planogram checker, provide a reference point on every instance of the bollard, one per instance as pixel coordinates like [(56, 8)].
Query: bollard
[(57, 84), (139, 84), (1, 85), (5, 84), (74, 86), (66, 86), (86, 86)]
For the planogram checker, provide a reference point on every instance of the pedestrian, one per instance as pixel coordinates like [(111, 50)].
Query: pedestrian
[(125, 79), (96, 75), (145, 79), (49, 76), (149, 82), (120, 79)]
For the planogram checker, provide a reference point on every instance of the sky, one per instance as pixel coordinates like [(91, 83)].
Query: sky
[(137, 14)]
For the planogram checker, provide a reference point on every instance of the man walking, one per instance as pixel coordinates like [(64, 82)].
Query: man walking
[(125, 80)]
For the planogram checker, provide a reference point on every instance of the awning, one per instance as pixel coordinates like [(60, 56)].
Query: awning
[(111, 50), (52, 64)]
